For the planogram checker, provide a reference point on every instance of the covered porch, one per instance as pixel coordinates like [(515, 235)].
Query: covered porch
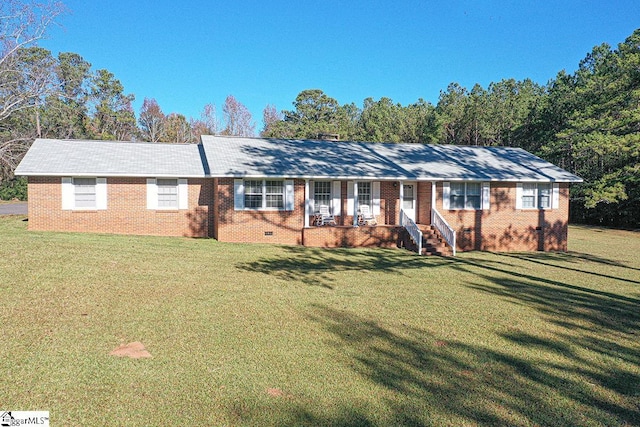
[(403, 216)]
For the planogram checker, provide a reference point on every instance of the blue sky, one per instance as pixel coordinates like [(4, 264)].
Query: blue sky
[(190, 53)]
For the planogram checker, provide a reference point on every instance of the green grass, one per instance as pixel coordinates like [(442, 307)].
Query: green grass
[(343, 337)]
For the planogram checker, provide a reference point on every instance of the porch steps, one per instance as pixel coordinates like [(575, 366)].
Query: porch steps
[(432, 242)]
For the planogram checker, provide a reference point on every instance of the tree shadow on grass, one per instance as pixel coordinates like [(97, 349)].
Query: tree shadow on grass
[(565, 379), (564, 260), (582, 368), (431, 382), (565, 303), (316, 266)]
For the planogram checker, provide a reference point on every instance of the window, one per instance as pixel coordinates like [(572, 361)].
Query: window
[(263, 194), (528, 196), (167, 193), (368, 194), (364, 193), (274, 194), (464, 195), (544, 196), (84, 191), (536, 196), (321, 193), (407, 196), (253, 194)]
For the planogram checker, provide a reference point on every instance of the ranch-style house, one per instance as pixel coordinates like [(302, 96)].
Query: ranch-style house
[(429, 198)]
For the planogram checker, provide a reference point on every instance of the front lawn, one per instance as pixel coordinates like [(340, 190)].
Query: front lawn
[(287, 336)]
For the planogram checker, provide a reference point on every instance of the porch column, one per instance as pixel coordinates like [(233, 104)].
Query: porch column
[(401, 199), (307, 205), (355, 203), (433, 199), (433, 194)]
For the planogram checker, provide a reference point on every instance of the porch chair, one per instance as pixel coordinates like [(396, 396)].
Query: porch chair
[(366, 217), (325, 217)]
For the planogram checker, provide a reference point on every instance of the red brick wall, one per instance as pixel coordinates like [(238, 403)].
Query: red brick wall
[(423, 213), (505, 228), (126, 211), (257, 225), (286, 227), (366, 236)]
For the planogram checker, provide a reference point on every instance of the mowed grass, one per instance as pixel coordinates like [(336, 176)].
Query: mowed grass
[(286, 336)]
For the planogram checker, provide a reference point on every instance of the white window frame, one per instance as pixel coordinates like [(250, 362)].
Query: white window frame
[(153, 195), (534, 190), (254, 188), (368, 194), (69, 187), (287, 194), (84, 191), (540, 195), (375, 196), (167, 193), (335, 201), (269, 184), (484, 195), (409, 197), (326, 194)]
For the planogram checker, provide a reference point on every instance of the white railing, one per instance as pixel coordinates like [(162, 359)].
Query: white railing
[(412, 229), (444, 228)]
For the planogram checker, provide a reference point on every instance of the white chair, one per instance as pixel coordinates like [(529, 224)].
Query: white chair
[(325, 217), (366, 217)]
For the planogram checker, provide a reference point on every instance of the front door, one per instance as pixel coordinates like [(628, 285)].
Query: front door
[(409, 200)]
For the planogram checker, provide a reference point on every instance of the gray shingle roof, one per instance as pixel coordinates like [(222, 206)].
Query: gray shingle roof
[(264, 157), (282, 158), (54, 157)]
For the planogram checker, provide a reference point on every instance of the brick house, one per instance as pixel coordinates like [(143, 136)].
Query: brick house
[(269, 190)]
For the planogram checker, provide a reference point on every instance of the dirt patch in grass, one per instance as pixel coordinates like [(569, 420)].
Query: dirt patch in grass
[(276, 392), (134, 350)]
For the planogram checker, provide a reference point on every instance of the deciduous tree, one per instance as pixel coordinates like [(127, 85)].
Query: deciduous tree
[(270, 118), (22, 24), (151, 120), (207, 124), (237, 118), (177, 129)]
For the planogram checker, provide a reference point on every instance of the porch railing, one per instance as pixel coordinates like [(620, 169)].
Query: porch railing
[(412, 229), (444, 228)]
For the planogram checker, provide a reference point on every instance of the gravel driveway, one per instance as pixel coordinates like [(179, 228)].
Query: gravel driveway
[(17, 208)]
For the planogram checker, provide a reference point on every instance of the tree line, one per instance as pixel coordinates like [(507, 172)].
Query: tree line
[(587, 122)]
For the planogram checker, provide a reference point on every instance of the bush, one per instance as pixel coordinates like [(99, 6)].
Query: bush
[(14, 189)]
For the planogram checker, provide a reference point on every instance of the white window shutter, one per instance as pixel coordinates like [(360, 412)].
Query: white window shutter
[(350, 204), (555, 200), (101, 193), (336, 197), (519, 195), (375, 197), (446, 191), (486, 196), (183, 193), (68, 196), (312, 198), (238, 194), (152, 194), (289, 196)]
